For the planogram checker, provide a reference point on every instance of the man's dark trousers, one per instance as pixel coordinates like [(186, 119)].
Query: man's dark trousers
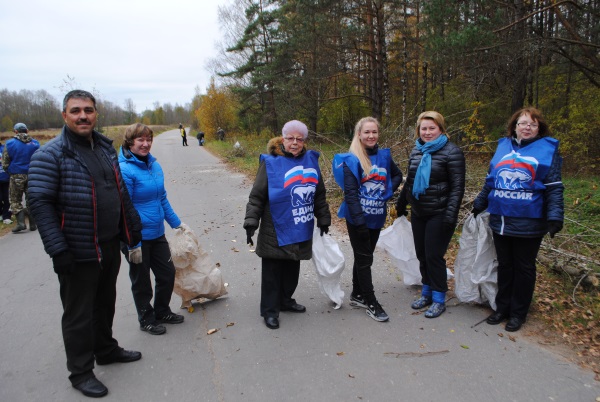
[(88, 297)]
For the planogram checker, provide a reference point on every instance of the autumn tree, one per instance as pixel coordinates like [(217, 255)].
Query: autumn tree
[(217, 109)]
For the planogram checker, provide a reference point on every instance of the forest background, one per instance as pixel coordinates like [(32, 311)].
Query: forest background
[(329, 63)]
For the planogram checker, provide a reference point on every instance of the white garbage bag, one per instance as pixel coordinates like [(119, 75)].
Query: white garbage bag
[(329, 263), (476, 266), (397, 241), (196, 276)]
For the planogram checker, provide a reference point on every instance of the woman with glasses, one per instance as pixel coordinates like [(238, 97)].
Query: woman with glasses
[(434, 188), (287, 197), (369, 177), (523, 193)]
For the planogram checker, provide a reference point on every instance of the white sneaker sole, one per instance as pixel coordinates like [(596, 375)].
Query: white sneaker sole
[(373, 316)]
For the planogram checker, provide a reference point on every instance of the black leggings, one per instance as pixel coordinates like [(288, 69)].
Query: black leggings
[(431, 244), (362, 279)]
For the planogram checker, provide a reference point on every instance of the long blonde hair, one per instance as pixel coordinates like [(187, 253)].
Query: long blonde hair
[(357, 148)]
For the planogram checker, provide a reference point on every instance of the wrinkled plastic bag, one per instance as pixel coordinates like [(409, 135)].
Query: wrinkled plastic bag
[(329, 262), (476, 266), (185, 248), (397, 241), (196, 276)]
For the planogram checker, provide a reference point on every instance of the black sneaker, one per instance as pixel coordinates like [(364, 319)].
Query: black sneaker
[(154, 329), (375, 311), (357, 301), (170, 318)]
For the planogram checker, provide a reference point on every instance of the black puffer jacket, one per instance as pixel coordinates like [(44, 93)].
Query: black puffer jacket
[(62, 201), (258, 210), (446, 184)]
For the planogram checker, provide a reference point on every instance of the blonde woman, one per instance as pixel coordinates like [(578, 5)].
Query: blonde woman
[(369, 177)]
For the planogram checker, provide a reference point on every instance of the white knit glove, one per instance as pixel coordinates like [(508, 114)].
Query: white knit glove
[(135, 255)]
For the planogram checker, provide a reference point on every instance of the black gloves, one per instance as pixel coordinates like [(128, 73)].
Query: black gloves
[(324, 229), (401, 211), (476, 212), (554, 227), (63, 263), (249, 233)]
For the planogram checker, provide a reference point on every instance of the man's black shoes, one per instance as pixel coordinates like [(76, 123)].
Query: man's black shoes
[(120, 356), (92, 387), (294, 308), (272, 322)]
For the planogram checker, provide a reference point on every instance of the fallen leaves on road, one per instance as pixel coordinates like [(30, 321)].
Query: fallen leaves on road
[(512, 338), (212, 331), (464, 346), (230, 324), (340, 353), (350, 375)]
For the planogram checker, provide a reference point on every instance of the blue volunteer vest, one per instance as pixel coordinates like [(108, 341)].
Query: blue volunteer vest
[(292, 188), (516, 178), (375, 188), (20, 155)]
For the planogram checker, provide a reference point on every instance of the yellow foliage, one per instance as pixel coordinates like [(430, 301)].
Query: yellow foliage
[(217, 109)]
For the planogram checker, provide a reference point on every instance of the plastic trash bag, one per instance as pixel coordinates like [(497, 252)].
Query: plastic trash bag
[(196, 276), (329, 263), (397, 241), (476, 266)]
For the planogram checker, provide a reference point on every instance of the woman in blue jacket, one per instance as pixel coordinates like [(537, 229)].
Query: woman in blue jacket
[(523, 192), (369, 177), (144, 179)]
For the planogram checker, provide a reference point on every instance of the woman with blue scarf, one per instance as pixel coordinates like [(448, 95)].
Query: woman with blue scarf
[(434, 188)]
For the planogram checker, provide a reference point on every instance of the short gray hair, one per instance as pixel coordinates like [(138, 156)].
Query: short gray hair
[(295, 126)]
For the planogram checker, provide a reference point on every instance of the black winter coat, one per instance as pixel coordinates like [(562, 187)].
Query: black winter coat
[(62, 200), (446, 184), (258, 210)]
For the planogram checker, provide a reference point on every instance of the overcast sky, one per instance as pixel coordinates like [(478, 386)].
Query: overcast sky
[(146, 50)]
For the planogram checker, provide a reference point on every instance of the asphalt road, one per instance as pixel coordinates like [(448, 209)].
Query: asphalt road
[(322, 355)]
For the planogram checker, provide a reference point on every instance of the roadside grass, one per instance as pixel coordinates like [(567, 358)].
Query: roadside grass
[(565, 311)]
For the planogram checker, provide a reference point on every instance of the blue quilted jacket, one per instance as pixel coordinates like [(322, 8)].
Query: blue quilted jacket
[(63, 203), (146, 186)]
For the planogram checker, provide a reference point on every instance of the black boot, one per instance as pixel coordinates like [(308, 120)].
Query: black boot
[(20, 222), (32, 225)]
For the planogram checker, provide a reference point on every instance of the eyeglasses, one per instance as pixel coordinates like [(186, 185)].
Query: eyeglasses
[(292, 139), (531, 125)]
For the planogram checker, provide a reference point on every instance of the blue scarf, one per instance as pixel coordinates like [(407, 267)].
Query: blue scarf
[(424, 170)]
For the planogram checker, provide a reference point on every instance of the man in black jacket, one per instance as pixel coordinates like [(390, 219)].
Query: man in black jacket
[(83, 210)]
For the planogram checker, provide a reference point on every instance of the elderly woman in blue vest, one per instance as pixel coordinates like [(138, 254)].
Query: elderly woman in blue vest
[(523, 193), (287, 196), (434, 188), (369, 177), (144, 179)]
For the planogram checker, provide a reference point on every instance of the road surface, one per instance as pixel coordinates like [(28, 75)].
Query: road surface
[(322, 355)]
